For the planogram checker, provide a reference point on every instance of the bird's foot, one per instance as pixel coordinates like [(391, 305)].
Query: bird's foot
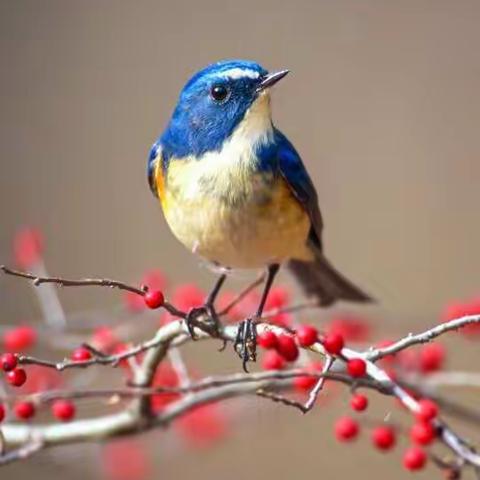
[(246, 341), (205, 318)]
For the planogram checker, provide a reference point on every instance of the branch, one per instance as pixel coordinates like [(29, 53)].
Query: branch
[(424, 337), (137, 416), (242, 294), (26, 450), (84, 282), (204, 384), (312, 398), (89, 282)]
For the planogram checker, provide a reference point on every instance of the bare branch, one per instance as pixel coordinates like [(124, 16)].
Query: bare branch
[(319, 385), (164, 335), (26, 450), (424, 337), (138, 416), (204, 384), (243, 294), (275, 397), (63, 282)]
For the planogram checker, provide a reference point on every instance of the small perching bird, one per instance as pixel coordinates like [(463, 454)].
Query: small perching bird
[(235, 191)]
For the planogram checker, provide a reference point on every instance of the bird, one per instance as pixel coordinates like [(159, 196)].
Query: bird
[(235, 191)]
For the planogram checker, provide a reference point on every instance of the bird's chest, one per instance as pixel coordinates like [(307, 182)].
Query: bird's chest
[(234, 216)]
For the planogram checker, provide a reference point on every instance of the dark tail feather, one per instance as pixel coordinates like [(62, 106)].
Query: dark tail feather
[(320, 279)]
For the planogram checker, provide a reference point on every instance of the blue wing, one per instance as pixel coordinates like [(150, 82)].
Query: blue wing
[(295, 174)]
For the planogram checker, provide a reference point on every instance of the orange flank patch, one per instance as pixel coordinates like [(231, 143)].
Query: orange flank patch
[(160, 183)]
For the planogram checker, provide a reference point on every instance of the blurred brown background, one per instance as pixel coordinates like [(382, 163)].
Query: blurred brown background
[(383, 104)]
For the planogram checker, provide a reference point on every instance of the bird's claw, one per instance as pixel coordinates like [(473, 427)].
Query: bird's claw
[(209, 323), (246, 341)]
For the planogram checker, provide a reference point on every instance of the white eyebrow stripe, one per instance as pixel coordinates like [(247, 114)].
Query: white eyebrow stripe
[(236, 73)]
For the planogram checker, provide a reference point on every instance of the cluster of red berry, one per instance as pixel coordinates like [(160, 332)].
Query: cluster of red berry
[(283, 348), (384, 437), (62, 409), (208, 424)]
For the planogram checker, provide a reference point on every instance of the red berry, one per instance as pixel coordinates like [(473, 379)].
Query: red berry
[(267, 339), (427, 411), (422, 433), (383, 437), (64, 410), (16, 377), (154, 280), (2, 412), (408, 360), (187, 296), (122, 348), (359, 402), (346, 429), (333, 343), (28, 247), (307, 335), (432, 357), (278, 297), (8, 361), (414, 458), (24, 410), (133, 301), (304, 383), (272, 360), (356, 367), (104, 338), (19, 338), (461, 309), (282, 320), (455, 309), (224, 300), (165, 377), (204, 426), (352, 328), (125, 459), (81, 354), (307, 382), (287, 347), (473, 329), (154, 299)]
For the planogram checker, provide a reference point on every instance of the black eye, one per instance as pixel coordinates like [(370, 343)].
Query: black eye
[(219, 93)]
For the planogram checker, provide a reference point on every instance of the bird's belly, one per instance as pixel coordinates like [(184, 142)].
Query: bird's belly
[(260, 228)]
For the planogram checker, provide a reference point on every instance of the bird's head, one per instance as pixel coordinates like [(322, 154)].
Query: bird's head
[(214, 102)]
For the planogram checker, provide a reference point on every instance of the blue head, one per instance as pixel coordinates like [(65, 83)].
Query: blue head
[(212, 104)]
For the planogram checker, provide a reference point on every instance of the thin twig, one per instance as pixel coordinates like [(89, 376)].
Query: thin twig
[(424, 337), (26, 450), (275, 397), (291, 309), (243, 294), (204, 384), (312, 397), (63, 282)]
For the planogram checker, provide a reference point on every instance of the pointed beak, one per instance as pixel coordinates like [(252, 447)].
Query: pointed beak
[(271, 79)]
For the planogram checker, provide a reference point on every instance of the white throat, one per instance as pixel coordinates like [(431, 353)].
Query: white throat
[(254, 129)]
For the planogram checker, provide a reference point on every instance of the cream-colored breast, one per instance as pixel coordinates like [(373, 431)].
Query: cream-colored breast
[(222, 208), (240, 223)]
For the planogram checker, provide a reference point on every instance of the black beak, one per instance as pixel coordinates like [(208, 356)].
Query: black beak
[(271, 79)]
